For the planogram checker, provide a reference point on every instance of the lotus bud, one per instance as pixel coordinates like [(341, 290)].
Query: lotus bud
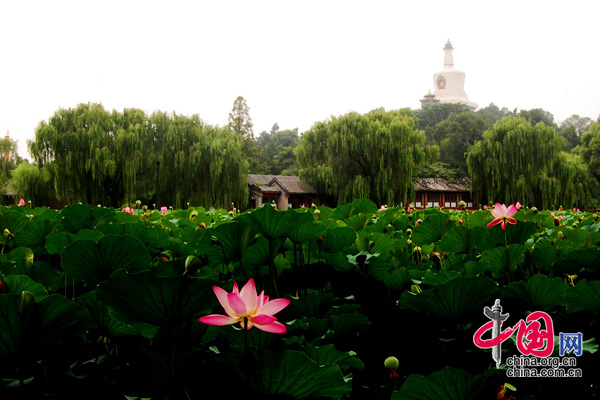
[(409, 231), (99, 206), (202, 224), (320, 240), (391, 363), (145, 207), (556, 221), (462, 204), (138, 203), (7, 233), (435, 256), (561, 235), (580, 219), (317, 212), (445, 255), (415, 289), (460, 221)]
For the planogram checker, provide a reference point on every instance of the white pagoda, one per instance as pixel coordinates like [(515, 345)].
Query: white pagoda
[(450, 82)]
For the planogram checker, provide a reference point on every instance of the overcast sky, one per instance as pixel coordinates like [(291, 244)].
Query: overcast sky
[(295, 63)]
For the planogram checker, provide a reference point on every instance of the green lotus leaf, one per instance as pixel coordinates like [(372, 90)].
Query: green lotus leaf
[(16, 284), (312, 305), (290, 375), (432, 229), (83, 216), (537, 293), (447, 384), (479, 219), (495, 259), (33, 234), (359, 206), (328, 354), (585, 296), (13, 221), (154, 238), (157, 300), (515, 234), (307, 231), (234, 238), (576, 260), (358, 221), (337, 239), (56, 242), (579, 237), (545, 256), (95, 263), (261, 252), (452, 299), (396, 279), (272, 223), (376, 243), (47, 275), (347, 326), (433, 279), (456, 240), (108, 326), (28, 327)]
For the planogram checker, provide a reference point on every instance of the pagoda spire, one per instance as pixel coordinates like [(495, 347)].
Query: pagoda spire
[(448, 59)]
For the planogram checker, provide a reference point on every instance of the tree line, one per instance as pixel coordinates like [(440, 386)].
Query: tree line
[(88, 154)]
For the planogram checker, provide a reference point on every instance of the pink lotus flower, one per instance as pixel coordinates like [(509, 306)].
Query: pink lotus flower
[(503, 214), (518, 205), (246, 307), (383, 207), (485, 206), (21, 203), (163, 210), (128, 210)]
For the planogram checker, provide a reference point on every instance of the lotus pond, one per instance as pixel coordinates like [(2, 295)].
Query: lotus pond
[(100, 303)]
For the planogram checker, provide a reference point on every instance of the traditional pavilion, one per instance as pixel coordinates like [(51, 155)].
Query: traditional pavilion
[(288, 192), (449, 83)]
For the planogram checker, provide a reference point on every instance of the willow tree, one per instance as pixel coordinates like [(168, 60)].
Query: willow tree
[(363, 156), (198, 163), (95, 156), (116, 158), (517, 161), (9, 159)]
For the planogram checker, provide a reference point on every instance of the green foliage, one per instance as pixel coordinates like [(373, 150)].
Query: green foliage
[(371, 156), (31, 183), (455, 135), (517, 161), (277, 150), (493, 113), (239, 119), (590, 151), (115, 158), (95, 300)]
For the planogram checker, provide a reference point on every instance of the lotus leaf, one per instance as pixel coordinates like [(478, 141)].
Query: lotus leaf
[(156, 300), (432, 229), (82, 216), (584, 296), (447, 384), (290, 374), (452, 299), (537, 293), (95, 263)]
